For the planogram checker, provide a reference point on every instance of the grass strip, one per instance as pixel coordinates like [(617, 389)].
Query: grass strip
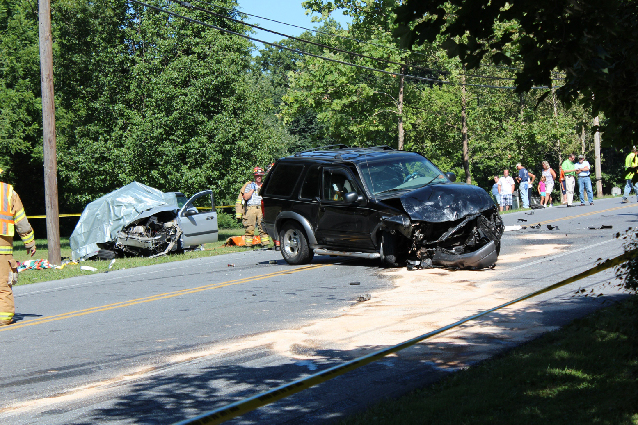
[(585, 373), (33, 276)]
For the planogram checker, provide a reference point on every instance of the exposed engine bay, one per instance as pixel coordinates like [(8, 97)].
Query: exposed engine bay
[(472, 242), (152, 236)]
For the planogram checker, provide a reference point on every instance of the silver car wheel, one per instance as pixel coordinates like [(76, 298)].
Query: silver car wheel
[(291, 241)]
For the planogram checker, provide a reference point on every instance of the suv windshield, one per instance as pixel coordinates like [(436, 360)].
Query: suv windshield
[(399, 174)]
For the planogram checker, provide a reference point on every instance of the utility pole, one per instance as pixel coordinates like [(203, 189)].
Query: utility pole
[(554, 103), (466, 148), (599, 182), (48, 133), (400, 110)]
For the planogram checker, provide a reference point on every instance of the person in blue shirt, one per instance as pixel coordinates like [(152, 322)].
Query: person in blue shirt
[(524, 183)]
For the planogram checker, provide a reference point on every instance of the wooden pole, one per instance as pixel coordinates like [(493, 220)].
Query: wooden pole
[(466, 148), (597, 165), (401, 130), (554, 103), (48, 133)]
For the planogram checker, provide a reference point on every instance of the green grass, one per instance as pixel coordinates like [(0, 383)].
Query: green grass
[(585, 373), (71, 270)]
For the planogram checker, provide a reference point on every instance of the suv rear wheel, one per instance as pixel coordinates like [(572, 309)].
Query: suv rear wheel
[(294, 244)]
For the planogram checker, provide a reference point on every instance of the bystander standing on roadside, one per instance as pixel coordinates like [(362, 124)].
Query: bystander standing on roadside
[(570, 180), (631, 166), (584, 181), (497, 196), (505, 189), (550, 177), (541, 190), (563, 189), (524, 183)]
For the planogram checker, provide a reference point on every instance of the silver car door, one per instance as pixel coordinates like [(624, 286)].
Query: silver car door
[(198, 220)]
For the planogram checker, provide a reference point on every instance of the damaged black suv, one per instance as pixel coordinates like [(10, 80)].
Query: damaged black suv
[(378, 203)]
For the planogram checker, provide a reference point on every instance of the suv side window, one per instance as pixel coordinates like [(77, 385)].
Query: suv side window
[(284, 179), (310, 188), (336, 183)]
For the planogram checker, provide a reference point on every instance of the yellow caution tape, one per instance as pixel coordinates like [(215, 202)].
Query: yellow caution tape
[(77, 215), (241, 407)]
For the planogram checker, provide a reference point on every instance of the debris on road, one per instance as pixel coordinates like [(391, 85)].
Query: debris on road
[(512, 228), (426, 263), (231, 265), (529, 213), (364, 297), (538, 226), (355, 283), (604, 226), (550, 227), (88, 268), (521, 219)]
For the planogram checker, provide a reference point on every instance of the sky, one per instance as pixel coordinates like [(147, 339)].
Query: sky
[(288, 11)]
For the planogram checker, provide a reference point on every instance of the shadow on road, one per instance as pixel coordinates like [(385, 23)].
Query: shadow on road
[(163, 399)]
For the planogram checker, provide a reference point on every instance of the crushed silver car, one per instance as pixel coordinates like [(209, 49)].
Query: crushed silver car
[(140, 220)]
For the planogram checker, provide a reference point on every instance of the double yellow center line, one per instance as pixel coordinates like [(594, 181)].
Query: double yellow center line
[(157, 297), (583, 215)]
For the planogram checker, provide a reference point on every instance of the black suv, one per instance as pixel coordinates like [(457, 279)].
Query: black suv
[(378, 203)]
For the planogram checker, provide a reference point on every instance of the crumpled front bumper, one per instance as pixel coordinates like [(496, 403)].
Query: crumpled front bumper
[(479, 259)]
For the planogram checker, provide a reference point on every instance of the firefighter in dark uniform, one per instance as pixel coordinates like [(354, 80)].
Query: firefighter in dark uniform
[(12, 219)]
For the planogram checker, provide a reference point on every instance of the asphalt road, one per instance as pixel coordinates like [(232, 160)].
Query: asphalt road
[(159, 344)]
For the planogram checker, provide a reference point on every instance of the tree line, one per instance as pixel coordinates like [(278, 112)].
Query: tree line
[(146, 96)]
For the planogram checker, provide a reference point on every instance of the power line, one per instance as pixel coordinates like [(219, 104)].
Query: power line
[(345, 38), (188, 5), (315, 30), (396, 74), (336, 49)]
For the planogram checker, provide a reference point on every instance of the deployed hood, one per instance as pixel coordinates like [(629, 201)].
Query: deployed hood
[(445, 202)]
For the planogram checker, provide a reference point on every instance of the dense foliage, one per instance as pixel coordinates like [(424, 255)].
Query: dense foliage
[(593, 43), (141, 95)]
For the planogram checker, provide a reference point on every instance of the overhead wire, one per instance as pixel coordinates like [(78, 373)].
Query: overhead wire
[(315, 30), (396, 74), (189, 19), (346, 38), (314, 43)]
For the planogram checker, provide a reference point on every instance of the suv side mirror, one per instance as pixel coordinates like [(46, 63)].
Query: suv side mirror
[(353, 197), (451, 176), (350, 197)]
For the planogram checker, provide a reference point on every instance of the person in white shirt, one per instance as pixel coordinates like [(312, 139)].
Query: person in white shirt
[(505, 189), (584, 181)]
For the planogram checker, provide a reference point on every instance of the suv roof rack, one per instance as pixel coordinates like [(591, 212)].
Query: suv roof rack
[(322, 148), (351, 150)]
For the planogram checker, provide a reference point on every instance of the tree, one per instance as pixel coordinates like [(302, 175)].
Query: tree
[(594, 44)]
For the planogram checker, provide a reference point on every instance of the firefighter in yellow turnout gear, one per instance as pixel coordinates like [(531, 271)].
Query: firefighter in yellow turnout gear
[(253, 216), (12, 219)]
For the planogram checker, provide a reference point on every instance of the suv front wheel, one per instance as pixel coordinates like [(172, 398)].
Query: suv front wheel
[(294, 244)]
